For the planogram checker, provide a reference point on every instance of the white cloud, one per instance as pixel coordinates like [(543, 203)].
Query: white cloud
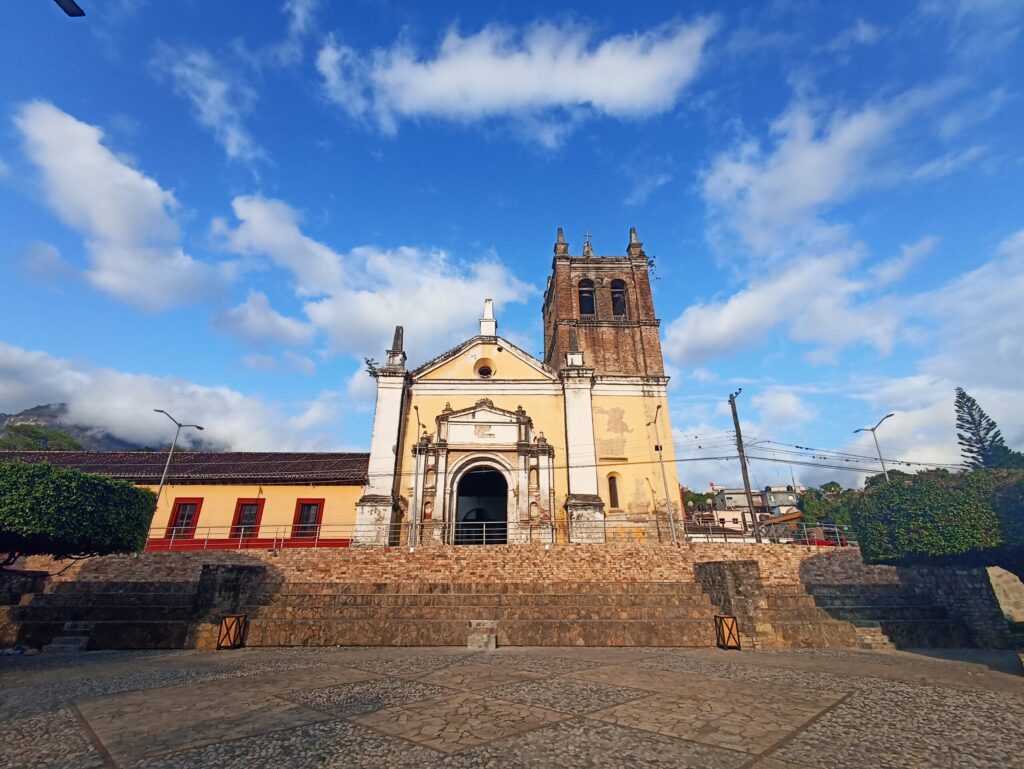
[(299, 363), (781, 408), (359, 297), (860, 32), (256, 320), (977, 321), (271, 228), (125, 217), (301, 15), (500, 71), (813, 162), (122, 404), (220, 98), (644, 186), (890, 271), (43, 261), (949, 163), (264, 363), (813, 297)]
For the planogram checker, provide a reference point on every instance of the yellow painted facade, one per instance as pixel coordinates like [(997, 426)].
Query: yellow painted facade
[(626, 448), (216, 514)]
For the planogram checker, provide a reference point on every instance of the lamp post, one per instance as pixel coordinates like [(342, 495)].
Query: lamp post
[(879, 450), (163, 478)]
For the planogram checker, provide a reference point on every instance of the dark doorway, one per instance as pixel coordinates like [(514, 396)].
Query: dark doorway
[(481, 516)]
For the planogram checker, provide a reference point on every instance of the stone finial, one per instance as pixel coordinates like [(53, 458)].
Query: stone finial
[(396, 355), (488, 325), (561, 247), (635, 248)]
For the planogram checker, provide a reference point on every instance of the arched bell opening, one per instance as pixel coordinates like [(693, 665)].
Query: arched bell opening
[(481, 508)]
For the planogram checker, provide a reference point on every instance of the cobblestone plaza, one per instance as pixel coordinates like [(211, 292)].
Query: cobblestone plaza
[(423, 707)]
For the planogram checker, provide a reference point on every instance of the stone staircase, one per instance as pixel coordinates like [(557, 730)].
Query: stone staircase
[(893, 613), (75, 616), (526, 614)]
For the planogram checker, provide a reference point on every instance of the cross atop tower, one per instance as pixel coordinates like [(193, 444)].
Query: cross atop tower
[(588, 249)]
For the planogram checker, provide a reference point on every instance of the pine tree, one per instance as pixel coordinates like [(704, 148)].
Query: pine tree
[(981, 443)]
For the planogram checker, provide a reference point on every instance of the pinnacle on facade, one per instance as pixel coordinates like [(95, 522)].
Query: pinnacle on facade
[(561, 247)]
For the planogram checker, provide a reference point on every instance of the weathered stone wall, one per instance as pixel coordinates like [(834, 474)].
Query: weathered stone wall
[(966, 594), (778, 564), (513, 563), (1009, 591)]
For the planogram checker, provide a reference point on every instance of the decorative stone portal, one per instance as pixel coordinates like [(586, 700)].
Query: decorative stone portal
[(481, 508)]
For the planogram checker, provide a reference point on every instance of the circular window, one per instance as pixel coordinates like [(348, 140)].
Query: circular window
[(484, 368)]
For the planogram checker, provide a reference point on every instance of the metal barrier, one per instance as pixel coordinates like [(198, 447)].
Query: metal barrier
[(471, 533)]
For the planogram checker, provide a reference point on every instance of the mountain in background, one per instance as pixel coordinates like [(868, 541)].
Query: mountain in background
[(52, 415)]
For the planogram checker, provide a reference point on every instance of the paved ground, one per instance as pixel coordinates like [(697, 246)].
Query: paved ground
[(298, 708)]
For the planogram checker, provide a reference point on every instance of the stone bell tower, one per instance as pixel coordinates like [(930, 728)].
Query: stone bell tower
[(607, 300)]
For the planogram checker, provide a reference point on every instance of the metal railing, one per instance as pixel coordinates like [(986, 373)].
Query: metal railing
[(470, 533), (789, 533)]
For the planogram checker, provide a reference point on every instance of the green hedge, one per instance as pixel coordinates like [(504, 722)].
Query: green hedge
[(62, 512), (970, 518)]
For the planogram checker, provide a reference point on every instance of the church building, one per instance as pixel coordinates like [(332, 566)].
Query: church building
[(484, 444), (488, 444)]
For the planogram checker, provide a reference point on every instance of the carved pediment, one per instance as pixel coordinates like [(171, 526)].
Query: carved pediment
[(484, 424)]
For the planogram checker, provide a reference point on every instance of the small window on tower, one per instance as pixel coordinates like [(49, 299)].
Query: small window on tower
[(619, 298), (613, 491), (586, 297)]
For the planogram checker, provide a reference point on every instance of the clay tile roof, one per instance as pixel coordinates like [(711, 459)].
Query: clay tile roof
[(327, 468)]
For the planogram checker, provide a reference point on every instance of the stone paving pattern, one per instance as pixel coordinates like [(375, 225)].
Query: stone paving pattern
[(565, 707)]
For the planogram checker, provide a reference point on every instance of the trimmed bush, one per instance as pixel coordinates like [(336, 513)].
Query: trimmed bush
[(62, 512)]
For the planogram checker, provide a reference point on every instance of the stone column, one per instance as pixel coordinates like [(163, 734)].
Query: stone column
[(375, 509), (585, 508)]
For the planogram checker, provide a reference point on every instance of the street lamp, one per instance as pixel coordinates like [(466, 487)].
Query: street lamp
[(872, 431), (163, 478), (664, 479)]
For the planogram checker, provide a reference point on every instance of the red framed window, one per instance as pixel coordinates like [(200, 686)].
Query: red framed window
[(309, 513), (184, 517), (246, 523)]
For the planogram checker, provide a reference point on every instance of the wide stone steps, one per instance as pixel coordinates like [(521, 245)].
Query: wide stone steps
[(502, 613), (555, 632), (482, 600), (99, 612), (106, 598), (116, 634), (902, 612), (488, 588), (901, 616)]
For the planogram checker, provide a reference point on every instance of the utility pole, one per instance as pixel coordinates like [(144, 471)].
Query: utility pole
[(664, 479), (743, 465)]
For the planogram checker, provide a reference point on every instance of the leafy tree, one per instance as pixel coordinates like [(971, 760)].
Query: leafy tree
[(970, 518), (46, 510), (28, 437), (830, 502), (981, 443)]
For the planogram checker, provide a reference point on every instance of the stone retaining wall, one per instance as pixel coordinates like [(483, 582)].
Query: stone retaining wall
[(627, 562)]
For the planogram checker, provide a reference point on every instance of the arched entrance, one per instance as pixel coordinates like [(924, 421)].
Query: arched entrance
[(481, 506)]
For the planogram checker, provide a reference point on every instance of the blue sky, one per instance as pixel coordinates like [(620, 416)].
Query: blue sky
[(220, 208)]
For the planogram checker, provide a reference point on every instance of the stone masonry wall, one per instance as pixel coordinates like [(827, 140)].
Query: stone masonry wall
[(627, 562)]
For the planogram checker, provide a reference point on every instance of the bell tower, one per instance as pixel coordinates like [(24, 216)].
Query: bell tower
[(607, 302)]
